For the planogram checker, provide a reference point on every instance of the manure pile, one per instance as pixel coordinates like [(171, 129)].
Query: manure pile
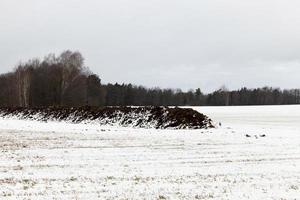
[(139, 117)]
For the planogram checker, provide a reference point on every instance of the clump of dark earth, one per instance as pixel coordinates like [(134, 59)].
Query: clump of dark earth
[(142, 117), (263, 135)]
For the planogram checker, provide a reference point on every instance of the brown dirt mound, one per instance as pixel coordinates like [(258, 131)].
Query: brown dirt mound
[(144, 117)]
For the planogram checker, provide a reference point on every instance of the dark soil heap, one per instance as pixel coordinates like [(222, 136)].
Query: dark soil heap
[(143, 117)]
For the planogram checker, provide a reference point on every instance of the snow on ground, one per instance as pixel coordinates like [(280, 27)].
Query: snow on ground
[(57, 160)]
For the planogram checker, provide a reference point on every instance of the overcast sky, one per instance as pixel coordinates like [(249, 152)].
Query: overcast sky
[(167, 43)]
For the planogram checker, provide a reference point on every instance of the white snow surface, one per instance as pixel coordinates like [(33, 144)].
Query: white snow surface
[(60, 160)]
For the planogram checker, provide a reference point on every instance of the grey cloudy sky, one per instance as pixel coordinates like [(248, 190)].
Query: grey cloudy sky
[(167, 43)]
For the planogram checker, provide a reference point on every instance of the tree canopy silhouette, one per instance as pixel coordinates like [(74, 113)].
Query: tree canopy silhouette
[(64, 81)]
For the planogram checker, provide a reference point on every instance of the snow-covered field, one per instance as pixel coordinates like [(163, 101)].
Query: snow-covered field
[(55, 160)]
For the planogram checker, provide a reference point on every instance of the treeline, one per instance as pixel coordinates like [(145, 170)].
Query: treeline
[(127, 94), (54, 81), (258, 96), (136, 95), (64, 81)]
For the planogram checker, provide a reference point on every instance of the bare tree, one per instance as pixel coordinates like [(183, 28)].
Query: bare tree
[(72, 63)]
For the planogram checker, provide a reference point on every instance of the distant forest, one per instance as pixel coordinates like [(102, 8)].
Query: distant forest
[(64, 81)]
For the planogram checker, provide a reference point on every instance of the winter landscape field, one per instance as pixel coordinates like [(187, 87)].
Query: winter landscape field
[(254, 153)]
